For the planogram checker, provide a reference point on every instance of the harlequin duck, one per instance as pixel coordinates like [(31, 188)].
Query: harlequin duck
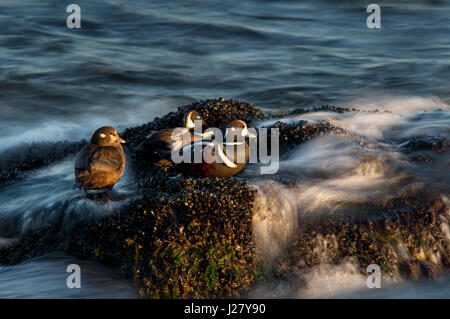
[(100, 164), (230, 165), (158, 145)]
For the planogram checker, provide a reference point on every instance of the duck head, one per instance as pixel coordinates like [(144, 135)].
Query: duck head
[(190, 119), (238, 127), (106, 136)]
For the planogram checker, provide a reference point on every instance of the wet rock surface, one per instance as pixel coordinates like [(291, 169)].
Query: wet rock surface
[(189, 237), (17, 162), (195, 243), (32, 244), (407, 241), (298, 132), (424, 148)]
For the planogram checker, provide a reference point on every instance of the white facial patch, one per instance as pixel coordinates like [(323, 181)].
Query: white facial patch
[(102, 135), (190, 123), (177, 138), (225, 159), (206, 134)]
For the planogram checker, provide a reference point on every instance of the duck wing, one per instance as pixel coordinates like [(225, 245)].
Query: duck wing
[(106, 159)]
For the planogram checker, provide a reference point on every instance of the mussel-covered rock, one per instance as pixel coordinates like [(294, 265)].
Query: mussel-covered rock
[(408, 240), (195, 243), (186, 237)]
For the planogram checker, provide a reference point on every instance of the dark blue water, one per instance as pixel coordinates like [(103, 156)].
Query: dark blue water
[(134, 60)]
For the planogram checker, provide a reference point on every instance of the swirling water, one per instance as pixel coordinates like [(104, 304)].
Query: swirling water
[(134, 60)]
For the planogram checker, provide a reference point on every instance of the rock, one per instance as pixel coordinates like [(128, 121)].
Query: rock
[(194, 244), (17, 161), (188, 237), (377, 241)]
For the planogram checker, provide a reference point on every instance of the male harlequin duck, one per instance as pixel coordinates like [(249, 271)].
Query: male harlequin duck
[(100, 164), (229, 164), (158, 145)]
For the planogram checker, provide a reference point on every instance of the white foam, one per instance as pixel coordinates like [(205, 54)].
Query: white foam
[(398, 104), (47, 196), (326, 153), (326, 280), (397, 118), (275, 217)]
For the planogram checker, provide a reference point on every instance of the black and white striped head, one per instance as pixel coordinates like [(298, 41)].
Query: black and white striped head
[(190, 119)]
